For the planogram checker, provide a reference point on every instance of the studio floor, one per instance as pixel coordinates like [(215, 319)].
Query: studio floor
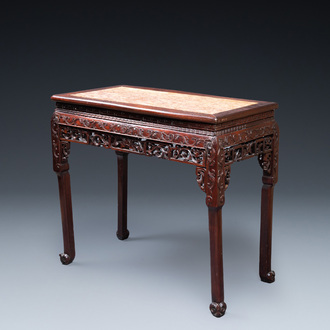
[(159, 278)]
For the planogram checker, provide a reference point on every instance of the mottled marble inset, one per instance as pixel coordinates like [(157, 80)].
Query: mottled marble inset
[(165, 99)]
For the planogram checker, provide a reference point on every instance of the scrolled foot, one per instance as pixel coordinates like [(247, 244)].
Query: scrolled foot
[(269, 278), (65, 259), (218, 309), (123, 235)]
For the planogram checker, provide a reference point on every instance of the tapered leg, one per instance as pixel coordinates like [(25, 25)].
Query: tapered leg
[(67, 221), (265, 272), (218, 306), (61, 151), (122, 232)]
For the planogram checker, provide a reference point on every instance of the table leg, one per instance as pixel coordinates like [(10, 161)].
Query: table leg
[(218, 306), (122, 232), (269, 164), (67, 221), (265, 272), (61, 151)]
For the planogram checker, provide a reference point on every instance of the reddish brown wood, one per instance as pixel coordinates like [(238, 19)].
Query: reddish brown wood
[(265, 272), (212, 143), (67, 221), (218, 306), (122, 232)]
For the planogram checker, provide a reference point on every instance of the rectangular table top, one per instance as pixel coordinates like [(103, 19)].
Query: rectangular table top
[(167, 103)]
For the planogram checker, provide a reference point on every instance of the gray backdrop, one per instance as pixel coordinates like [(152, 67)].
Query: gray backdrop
[(159, 278)]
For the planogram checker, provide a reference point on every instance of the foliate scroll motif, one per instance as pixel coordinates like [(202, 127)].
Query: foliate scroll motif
[(127, 143), (130, 128), (160, 150), (73, 134), (247, 135), (221, 176), (248, 149), (200, 176), (221, 153), (211, 173), (212, 180), (275, 152), (190, 155), (265, 161), (261, 141), (99, 139), (227, 176), (61, 149), (183, 153)]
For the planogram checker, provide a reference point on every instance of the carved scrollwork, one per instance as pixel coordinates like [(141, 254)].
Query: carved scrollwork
[(247, 150), (200, 176), (221, 176), (185, 154), (99, 139), (227, 176), (246, 135), (265, 161), (130, 128), (61, 149), (258, 141), (124, 143), (211, 171), (72, 134), (159, 150), (275, 152)]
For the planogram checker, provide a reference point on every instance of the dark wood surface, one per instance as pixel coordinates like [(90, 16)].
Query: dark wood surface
[(212, 145)]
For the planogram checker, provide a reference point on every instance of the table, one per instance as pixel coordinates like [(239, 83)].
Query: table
[(208, 132)]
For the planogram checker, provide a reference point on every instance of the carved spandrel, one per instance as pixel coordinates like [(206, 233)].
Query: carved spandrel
[(258, 141), (200, 177)]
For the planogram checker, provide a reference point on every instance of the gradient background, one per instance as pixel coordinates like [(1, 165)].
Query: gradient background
[(159, 278)]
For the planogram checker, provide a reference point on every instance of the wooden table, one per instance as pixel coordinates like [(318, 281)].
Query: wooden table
[(209, 132)]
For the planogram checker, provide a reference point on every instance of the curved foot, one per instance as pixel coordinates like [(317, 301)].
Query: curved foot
[(218, 309), (123, 236), (65, 259), (269, 278)]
